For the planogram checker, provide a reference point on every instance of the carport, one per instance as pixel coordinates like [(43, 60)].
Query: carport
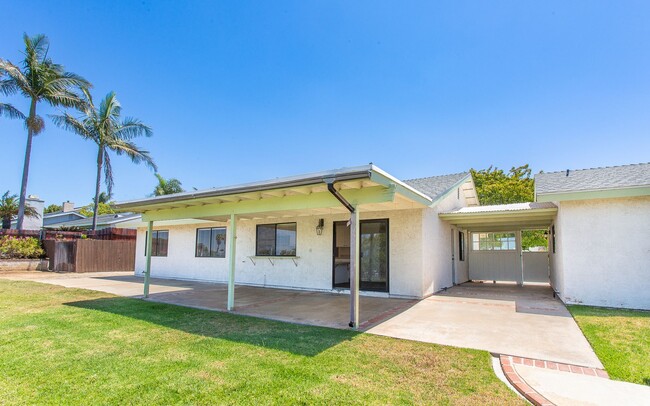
[(492, 238)]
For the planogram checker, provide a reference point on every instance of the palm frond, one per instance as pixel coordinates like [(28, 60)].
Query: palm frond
[(7, 86), (36, 46), (61, 80), (10, 111), (67, 122), (65, 98), (132, 127), (108, 173), (131, 150), (110, 108), (17, 80)]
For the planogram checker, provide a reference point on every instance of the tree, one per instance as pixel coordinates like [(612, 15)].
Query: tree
[(104, 197), (9, 208), (494, 186), (167, 186), (102, 208), (104, 127), (39, 80), (53, 208)]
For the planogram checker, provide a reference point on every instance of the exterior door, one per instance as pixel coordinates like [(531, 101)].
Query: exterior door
[(373, 255)]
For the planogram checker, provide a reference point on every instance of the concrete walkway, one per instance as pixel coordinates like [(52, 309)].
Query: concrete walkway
[(561, 387), (504, 319)]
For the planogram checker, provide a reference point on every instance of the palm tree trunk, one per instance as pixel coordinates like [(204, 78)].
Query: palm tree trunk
[(28, 153), (100, 163)]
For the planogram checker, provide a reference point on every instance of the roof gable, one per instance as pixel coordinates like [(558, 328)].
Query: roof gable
[(437, 187)]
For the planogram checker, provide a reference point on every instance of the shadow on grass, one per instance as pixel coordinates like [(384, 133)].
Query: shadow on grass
[(292, 338)]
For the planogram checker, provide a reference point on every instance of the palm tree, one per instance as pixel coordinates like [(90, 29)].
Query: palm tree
[(167, 186), (104, 128), (9, 209), (39, 80)]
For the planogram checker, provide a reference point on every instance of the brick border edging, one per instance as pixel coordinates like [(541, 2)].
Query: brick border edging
[(558, 366), (518, 382)]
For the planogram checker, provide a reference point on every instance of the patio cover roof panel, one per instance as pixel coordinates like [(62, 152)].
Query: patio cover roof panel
[(360, 185), (507, 216)]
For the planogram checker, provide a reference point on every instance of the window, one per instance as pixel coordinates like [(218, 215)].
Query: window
[(276, 240), (493, 241), (211, 242), (159, 242), (461, 246)]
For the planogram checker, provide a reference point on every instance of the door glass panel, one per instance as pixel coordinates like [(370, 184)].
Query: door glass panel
[(373, 241), (374, 255), (341, 255)]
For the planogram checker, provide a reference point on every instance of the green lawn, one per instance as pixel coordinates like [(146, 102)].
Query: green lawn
[(63, 346), (621, 339)]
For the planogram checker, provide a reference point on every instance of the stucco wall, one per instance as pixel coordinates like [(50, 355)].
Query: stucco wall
[(605, 252), (314, 267), (437, 243)]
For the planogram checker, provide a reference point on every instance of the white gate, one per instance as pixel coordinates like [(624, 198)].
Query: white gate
[(495, 266), (497, 256), (536, 267)]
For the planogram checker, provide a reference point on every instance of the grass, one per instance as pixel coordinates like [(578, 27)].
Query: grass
[(63, 346), (620, 338)]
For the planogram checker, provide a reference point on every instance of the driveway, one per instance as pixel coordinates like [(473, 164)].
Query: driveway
[(500, 318)]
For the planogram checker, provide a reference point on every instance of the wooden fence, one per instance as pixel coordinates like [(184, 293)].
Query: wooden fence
[(85, 255), (111, 234)]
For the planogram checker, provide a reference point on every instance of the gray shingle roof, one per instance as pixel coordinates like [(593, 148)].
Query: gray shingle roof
[(436, 186), (102, 220), (612, 177)]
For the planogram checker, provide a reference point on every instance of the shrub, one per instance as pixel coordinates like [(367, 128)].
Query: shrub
[(15, 247)]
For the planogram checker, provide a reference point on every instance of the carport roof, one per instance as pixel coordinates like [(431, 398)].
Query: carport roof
[(502, 216)]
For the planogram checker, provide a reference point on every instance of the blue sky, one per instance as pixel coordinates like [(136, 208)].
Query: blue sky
[(243, 91)]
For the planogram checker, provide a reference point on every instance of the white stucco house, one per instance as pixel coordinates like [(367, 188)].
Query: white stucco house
[(360, 230)]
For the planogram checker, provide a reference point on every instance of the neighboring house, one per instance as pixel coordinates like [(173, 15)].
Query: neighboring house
[(66, 214), (103, 221), (32, 223), (414, 238)]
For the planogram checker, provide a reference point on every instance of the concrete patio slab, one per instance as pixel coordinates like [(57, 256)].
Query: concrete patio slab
[(504, 319), (294, 306)]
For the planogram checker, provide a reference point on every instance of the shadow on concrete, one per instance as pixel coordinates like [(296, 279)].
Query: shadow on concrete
[(292, 338), (531, 299), (158, 281)]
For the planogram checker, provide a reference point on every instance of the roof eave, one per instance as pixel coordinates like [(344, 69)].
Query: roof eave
[(634, 191)]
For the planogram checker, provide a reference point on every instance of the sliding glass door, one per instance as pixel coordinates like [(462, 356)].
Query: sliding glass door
[(373, 255)]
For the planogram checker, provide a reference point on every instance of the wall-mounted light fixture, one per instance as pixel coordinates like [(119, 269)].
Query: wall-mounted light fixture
[(319, 227)]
